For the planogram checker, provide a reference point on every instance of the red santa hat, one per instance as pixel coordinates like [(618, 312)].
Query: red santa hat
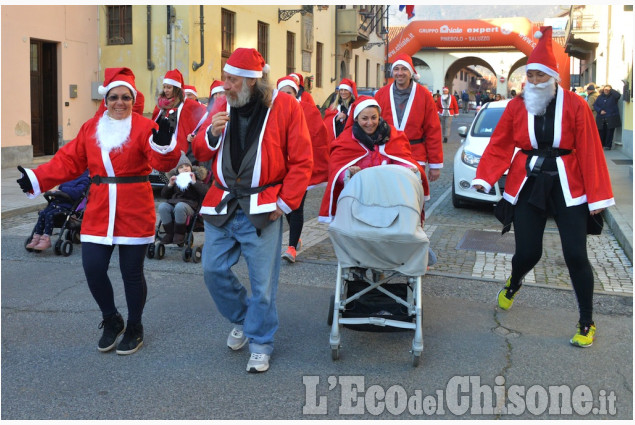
[(190, 89), (115, 77), (349, 85), (445, 88), (246, 62), (216, 87), (287, 81), (362, 103), (174, 78), (406, 61), (542, 58), (298, 77)]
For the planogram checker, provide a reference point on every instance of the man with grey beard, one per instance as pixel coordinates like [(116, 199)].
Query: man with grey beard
[(261, 155), (559, 171)]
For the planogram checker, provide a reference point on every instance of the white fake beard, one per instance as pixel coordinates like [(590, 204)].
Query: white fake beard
[(538, 96), (112, 134), (183, 180), (242, 97)]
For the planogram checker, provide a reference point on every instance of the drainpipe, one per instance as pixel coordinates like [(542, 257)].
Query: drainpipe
[(195, 65), (169, 37), (336, 64), (149, 39)]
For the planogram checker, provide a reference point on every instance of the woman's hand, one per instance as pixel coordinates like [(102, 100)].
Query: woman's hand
[(341, 116), (353, 169), (594, 212), (479, 188)]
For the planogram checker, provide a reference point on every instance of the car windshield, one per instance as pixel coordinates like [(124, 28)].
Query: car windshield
[(486, 122)]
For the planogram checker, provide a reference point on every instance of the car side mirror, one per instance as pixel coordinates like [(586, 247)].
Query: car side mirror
[(462, 131)]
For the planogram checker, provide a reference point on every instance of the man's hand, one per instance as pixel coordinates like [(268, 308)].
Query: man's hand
[(274, 215), (219, 121), (434, 174)]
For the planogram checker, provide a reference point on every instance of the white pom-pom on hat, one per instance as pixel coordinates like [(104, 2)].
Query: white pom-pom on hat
[(266, 68), (538, 35), (416, 77)]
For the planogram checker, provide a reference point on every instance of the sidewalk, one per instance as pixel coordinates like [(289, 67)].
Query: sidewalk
[(619, 218)]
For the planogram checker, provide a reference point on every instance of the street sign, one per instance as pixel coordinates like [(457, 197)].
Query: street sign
[(502, 79)]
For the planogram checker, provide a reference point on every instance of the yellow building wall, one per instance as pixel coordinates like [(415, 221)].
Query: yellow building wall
[(73, 29)]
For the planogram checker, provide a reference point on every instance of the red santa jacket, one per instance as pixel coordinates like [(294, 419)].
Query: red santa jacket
[(284, 155), (319, 143), (329, 121), (188, 115), (121, 213), (347, 151), (420, 121), (583, 173), (454, 106)]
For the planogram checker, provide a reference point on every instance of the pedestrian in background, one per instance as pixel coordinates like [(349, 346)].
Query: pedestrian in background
[(336, 115), (559, 171), (465, 98), (447, 108), (591, 97), (608, 115)]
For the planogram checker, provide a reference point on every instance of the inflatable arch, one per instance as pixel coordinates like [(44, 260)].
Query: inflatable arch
[(503, 32)]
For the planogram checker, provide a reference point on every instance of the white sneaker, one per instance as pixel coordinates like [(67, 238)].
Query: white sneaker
[(236, 339), (258, 362)]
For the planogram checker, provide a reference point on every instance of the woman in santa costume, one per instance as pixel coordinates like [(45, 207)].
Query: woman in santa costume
[(367, 141), (448, 107), (336, 115), (184, 113), (319, 174), (302, 94), (560, 171), (119, 148)]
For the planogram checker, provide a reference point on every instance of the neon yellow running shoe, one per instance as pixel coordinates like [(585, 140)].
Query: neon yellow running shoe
[(504, 297), (584, 336)]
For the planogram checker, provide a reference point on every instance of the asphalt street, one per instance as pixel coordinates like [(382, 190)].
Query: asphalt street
[(51, 369)]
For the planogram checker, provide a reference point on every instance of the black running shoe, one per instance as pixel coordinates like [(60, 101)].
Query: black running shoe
[(113, 326), (132, 339)]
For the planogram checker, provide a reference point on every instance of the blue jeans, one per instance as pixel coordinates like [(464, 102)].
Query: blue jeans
[(222, 250)]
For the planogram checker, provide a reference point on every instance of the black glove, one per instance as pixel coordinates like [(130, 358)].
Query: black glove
[(163, 137), (24, 181)]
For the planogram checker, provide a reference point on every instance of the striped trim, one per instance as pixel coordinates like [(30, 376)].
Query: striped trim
[(242, 72)]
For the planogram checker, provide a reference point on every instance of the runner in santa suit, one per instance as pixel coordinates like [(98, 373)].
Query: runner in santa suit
[(184, 114), (336, 115), (409, 107), (364, 145), (320, 170), (448, 107), (302, 95), (139, 103), (119, 148), (559, 171)]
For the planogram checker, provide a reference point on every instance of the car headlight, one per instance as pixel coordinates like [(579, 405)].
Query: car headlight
[(470, 158)]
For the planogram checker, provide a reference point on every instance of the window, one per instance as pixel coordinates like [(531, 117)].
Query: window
[(119, 24), (290, 52), (318, 64), (263, 40), (368, 73), (227, 35), (461, 78)]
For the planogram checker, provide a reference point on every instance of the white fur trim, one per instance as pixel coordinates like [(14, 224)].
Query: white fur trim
[(404, 120), (217, 89), (288, 83), (345, 87), (283, 206), (538, 35), (486, 186), (112, 197), (266, 68), (104, 90), (162, 149), (404, 63), (191, 91), (248, 73), (544, 68), (34, 183), (117, 240), (365, 104), (172, 82)]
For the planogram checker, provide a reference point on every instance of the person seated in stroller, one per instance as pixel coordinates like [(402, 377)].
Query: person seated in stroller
[(367, 141), (184, 192), (62, 201)]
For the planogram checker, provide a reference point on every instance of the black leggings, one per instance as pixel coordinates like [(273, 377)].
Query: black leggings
[(529, 227), (96, 258), (296, 221)]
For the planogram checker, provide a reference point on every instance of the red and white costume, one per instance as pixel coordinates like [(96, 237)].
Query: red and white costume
[(284, 155), (188, 115), (330, 113), (420, 121), (583, 172), (119, 213), (454, 105)]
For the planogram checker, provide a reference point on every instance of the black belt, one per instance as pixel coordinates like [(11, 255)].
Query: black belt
[(417, 141), (547, 152), (123, 179), (239, 192)]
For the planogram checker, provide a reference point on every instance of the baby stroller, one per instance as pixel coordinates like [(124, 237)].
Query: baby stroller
[(194, 223), (378, 226), (69, 220)]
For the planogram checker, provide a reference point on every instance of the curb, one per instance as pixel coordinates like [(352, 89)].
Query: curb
[(22, 210), (618, 232)]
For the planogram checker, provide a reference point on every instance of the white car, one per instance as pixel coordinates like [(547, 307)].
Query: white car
[(469, 154)]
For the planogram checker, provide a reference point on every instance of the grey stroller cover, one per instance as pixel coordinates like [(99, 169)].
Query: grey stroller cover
[(378, 221)]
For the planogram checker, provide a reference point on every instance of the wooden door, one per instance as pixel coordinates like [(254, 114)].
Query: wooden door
[(44, 131)]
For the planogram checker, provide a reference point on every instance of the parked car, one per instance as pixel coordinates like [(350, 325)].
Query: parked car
[(469, 154), (361, 91)]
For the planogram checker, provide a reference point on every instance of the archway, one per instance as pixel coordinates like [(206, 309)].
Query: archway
[(503, 32)]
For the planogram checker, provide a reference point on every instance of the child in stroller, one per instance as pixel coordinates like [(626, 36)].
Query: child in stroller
[(61, 204)]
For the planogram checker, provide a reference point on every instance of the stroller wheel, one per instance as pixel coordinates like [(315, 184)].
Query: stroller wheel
[(150, 252), (415, 359), (75, 237), (28, 241), (67, 248), (329, 320), (58, 247), (197, 254), (160, 251), (335, 353), (187, 254)]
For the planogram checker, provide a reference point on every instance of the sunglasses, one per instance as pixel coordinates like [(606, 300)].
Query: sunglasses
[(124, 98)]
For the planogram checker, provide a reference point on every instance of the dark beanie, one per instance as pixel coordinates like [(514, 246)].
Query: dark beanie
[(590, 87), (184, 160)]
